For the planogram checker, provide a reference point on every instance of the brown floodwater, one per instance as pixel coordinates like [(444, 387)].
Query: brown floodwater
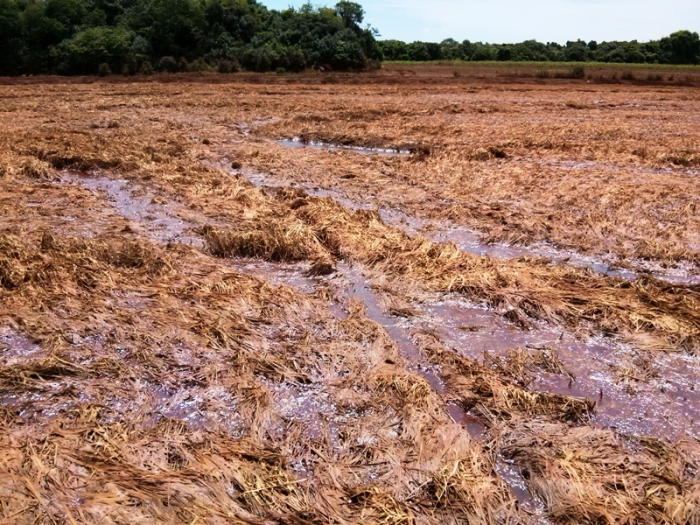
[(635, 393), (663, 403), (355, 286), (660, 400)]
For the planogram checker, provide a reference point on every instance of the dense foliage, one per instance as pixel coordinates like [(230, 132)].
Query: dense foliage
[(682, 47), (142, 36), (132, 36)]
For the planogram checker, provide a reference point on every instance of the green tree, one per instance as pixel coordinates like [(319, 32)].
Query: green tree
[(350, 13), (341, 50), (176, 26), (10, 37), (83, 53), (681, 47)]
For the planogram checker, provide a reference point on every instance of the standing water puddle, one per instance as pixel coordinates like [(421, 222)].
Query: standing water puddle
[(359, 289), (296, 142), (140, 205), (634, 394), (470, 241), (16, 348)]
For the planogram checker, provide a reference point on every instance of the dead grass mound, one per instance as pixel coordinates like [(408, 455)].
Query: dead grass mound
[(586, 475)]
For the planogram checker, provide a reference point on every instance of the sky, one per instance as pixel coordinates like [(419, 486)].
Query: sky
[(509, 21)]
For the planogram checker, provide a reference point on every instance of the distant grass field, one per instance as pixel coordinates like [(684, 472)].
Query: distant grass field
[(511, 64), (597, 72)]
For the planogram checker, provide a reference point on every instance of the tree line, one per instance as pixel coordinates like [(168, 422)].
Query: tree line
[(75, 37), (681, 47)]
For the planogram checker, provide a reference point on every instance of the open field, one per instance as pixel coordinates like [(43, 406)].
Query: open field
[(394, 298)]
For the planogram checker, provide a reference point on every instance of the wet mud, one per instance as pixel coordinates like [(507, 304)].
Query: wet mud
[(602, 369), (136, 357), (635, 393), (16, 348)]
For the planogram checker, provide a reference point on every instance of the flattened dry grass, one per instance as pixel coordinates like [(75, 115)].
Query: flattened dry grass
[(88, 438), (170, 388), (523, 288), (591, 476)]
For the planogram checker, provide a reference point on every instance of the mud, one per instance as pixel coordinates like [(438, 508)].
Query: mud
[(511, 475), (137, 374), (351, 284), (645, 407), (659, 402)]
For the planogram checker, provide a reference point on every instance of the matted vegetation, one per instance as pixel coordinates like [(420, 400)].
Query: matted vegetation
[(179, 345)]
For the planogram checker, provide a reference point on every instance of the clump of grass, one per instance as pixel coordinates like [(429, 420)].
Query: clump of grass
[(267, 239), (521, 364), (27, 167), (577, 72), (576, 471)]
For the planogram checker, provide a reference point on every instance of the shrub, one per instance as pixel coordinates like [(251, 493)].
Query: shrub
[(228, 66), (80, 54), (130, 66), (146, 68), (167, 64), (578, 72), (103, 70), (198, 65)]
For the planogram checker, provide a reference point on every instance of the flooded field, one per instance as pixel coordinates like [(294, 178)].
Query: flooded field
[(385, 302)]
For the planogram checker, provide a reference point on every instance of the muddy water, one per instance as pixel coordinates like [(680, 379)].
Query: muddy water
[(357, 287), (510, 474), (16, 348), (665, 405), (140, 205), (296, 142), (213, 407), (634, 394), (470, 241)]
